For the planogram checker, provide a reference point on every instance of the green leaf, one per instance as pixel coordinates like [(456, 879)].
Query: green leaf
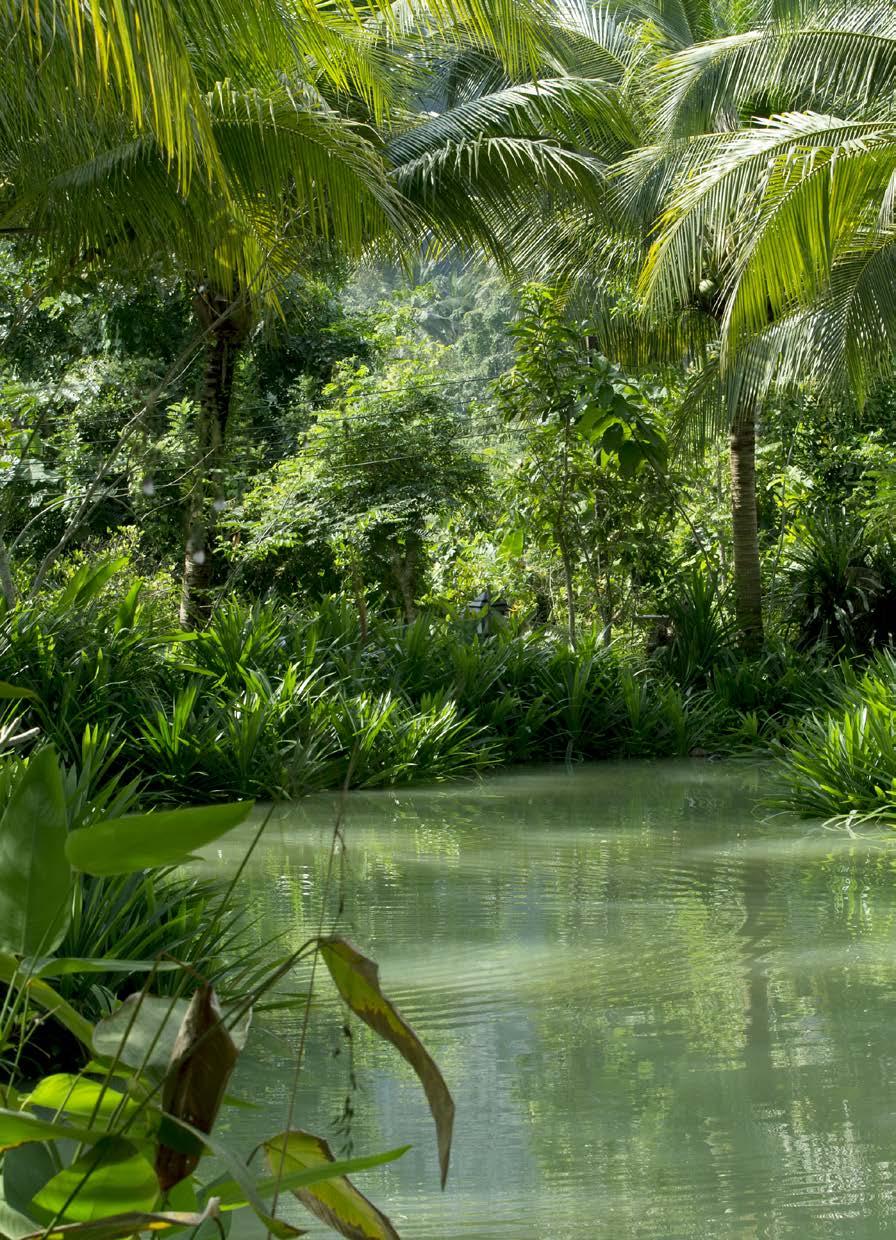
[(112, 1178), (631, 454), (142, 841), (357, 980), (92, 1100), (88, 582), (16, 693), (146, 1038), (613, 437), (35, 877), (337, 1203), (64, 966), (512, 544), (19, 1127)]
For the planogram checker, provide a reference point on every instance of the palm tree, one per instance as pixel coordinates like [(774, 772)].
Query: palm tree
[(795, 212), (223, 140), (601, 113)]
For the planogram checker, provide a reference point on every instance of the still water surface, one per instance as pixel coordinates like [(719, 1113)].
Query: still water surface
[(661, 1014)]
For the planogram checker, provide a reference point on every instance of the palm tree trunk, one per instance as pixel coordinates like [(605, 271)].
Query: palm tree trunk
[(745, 526), (225, 335)]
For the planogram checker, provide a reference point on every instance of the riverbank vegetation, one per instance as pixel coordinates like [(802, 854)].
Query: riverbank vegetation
[(388, 394)]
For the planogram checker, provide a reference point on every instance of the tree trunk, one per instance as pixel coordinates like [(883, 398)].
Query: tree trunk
[(570, 591), (403, 567), (744, 520), (226, 331), (7, 584)]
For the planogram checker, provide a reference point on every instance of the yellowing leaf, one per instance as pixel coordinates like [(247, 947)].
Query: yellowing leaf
[(357, 980), (337, 1202)]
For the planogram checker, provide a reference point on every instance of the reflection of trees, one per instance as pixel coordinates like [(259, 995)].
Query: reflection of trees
[(656, 1011)]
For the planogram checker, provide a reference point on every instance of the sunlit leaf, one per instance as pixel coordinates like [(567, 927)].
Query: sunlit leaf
[(92, 1100), (357, 980), (142, 841), (336, 1202), (112, 1178)]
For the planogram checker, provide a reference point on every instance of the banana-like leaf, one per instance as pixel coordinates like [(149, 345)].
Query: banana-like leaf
[(336, 1202), (112, 1178), (202, 1061), (35, 876), (144, 841), (95, 1101), (357, 980), (62, 966)]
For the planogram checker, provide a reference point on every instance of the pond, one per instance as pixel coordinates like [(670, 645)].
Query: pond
[(661, 1012)]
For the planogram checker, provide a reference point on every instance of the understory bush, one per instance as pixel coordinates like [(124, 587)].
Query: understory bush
[(841, 761), (268, 702)]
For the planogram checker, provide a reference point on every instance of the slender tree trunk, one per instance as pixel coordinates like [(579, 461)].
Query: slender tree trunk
[(744, 520), (403, 568), (570, 591), (7, 584), (207, 491)]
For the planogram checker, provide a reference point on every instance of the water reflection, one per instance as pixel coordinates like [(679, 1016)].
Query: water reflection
[(661, 1016)]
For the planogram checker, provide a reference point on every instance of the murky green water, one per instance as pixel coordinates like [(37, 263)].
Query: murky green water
[(660, 1015)]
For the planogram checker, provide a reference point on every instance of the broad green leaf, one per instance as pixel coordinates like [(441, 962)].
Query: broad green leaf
[(613, 437), (35, 877), (16, 692), (19, 1127), (13, 1225), (631, 454), (112, 1178), (357, 980), (146, 1038), (74, 1095), (26, 1169), (336, 1202), (143, 841), (202, 1061)]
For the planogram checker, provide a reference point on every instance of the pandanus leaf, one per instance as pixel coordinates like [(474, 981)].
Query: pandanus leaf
[(336, 1202), (357, 980)]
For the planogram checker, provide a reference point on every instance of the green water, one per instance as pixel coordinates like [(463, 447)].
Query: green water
[(660, 1014)]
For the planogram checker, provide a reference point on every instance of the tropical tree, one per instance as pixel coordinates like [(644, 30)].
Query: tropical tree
[(599, 113), (790, 219), (223, 144)]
